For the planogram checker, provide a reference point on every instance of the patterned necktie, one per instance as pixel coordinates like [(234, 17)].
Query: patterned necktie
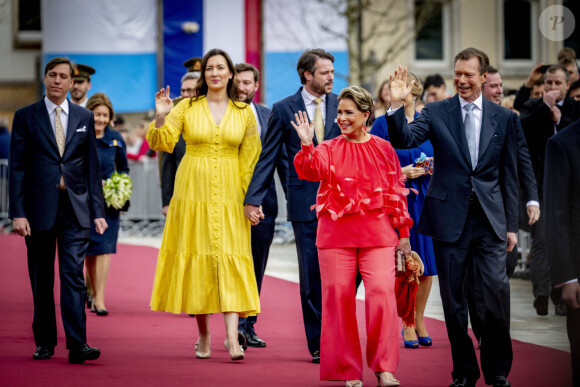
[(318, 122), (60, 139), (470, 133), (59, 131)]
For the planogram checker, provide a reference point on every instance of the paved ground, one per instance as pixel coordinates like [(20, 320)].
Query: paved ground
[(549, 331)]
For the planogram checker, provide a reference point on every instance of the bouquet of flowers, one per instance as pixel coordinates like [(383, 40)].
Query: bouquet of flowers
[(117, 190), (425, 162)]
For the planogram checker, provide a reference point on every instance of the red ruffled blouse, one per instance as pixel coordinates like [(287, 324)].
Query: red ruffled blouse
[(361, 199)]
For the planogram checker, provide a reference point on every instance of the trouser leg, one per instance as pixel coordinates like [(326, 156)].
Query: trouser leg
[(340, 357), (310, 292)]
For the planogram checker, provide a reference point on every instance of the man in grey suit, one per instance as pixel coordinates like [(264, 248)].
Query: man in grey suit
[(470, 209), (248, 81), (55, 193), (316, 71)]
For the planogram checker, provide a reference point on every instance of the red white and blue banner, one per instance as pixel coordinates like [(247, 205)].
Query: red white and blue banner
[(117, 38)]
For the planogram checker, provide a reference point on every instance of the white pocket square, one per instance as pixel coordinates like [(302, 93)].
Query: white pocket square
[(83, 129)]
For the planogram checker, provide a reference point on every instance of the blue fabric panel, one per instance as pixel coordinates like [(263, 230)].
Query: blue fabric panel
[(129, 80), (177, 45), (282, 78)]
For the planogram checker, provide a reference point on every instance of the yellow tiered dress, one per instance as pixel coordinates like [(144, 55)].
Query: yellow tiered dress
[(205, 262)]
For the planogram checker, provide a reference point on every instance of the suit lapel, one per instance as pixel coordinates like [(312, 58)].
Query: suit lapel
[(331, 106), (453, 120), (44, 123), (73, 120), (488, 125), (263, 122)]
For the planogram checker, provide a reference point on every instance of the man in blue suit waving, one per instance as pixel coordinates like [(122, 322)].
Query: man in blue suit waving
[(316, 71), (470, 209), (55, 193)]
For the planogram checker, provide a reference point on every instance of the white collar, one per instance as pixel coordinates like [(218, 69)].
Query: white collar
[(51, 105), (309, 98), (478, 102)]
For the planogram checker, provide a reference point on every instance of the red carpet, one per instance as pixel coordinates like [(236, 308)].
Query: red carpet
[(145, 348)]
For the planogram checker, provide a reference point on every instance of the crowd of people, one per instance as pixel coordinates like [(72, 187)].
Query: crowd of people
[(413, 172)]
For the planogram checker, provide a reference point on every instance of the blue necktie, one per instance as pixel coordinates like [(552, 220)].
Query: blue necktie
[(470, 133)]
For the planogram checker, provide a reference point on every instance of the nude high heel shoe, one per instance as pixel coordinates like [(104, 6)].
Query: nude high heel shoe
[(386, 379), (353, 383), (235, 355), (202, 355)]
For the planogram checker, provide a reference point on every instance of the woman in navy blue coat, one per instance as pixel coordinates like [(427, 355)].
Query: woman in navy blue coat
[(418, 177), (112, 157)]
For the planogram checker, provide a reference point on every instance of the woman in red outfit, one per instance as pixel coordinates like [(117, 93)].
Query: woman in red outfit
[(362, 221)]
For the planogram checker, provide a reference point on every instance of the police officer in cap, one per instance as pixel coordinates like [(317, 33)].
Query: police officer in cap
[(193, 64), (82, 84)]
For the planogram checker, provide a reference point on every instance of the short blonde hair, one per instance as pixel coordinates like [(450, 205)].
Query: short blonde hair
[(362, 98), (417, 89), (508, 101)]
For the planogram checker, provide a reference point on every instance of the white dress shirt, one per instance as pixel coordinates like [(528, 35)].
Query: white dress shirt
[(51, 107), (311, 105)]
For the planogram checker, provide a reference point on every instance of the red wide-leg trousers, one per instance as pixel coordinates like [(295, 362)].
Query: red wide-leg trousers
[(340, 350)]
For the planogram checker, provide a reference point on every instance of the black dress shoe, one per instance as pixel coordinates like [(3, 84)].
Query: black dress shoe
[(101, 312), (541, 305), (462, 382), (89, 301), (316, 357), (79, 355), (501, 381), (254, 341), (242, 340), (43, 353)]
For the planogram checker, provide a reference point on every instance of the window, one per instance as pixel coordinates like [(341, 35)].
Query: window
[(573, 41), (429, 43), (27, 26), (517, 24)]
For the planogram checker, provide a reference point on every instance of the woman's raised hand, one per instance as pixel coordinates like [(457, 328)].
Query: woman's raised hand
[(163, 103), (399, 88), (304, 129)]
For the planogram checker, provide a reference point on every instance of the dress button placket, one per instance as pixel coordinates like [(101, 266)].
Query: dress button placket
[(215, 192)]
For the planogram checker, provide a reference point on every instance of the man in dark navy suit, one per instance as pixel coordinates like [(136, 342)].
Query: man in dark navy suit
[(248, 80), (541, 119), (470, 209), (562, 209), (55, 193), (316, 71)]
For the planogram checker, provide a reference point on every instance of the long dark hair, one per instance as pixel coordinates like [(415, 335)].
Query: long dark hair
[(201, 88)]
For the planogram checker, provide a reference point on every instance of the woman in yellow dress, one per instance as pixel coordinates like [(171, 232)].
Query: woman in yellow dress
[(205, 262)]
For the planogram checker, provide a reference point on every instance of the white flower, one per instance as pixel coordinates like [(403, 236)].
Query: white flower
[(117, 190)]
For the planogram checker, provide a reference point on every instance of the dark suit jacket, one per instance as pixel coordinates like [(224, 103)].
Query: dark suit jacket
[(270, 203), (36, 167), (169, 164), (494, 179), (301, 194), (522, 96), (525, 167), (539, 127), (562, 204)]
